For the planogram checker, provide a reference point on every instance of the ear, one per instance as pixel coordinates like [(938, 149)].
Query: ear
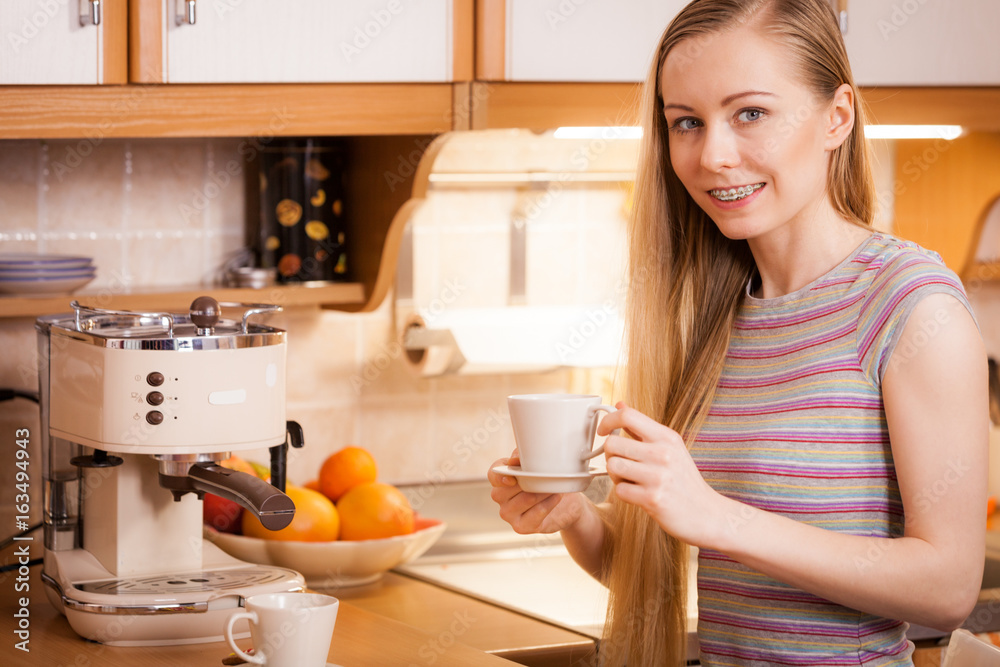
[(840, 117)]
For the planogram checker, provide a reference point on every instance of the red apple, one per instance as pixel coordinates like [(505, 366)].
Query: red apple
[(222, 514)]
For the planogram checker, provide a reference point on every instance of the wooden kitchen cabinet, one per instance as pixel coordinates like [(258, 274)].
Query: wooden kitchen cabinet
[(923, 43), (300, 41), (545, 63), (54, 42), (569, 40), (943, 192), (890, 42), (928, 656)]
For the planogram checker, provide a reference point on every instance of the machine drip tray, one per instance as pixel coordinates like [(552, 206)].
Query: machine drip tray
[(203, 581)]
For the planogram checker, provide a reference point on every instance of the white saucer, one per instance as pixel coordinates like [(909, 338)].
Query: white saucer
[(44, 285), (549, 482), (30, 259)]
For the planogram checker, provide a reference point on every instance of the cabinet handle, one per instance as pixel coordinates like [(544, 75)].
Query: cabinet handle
[(94, 15), (842, 15), (185, 12)]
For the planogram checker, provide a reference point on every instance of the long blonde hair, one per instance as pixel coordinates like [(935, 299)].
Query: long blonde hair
[(686, 284)]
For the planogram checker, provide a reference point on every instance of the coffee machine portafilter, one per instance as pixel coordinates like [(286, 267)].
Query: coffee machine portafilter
[(138, 410)]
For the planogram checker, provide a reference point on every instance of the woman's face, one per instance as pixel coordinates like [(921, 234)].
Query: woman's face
[(749, 141)]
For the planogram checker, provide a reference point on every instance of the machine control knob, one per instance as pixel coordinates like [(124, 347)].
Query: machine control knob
[(155, 379), (205, 314), (154, 398), (154, 417)]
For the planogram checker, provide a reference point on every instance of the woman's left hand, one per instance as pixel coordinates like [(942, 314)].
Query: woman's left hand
[(654, 470)]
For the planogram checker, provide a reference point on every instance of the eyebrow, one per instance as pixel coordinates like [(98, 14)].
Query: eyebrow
[(725, 102)]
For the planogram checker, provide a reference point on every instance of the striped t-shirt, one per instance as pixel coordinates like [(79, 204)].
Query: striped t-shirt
[(798, 428)]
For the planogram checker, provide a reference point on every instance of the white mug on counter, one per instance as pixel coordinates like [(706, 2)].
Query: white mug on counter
[(555, 432), (287, 629)]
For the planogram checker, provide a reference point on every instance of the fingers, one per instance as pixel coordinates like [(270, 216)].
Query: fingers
[(624, 469), (616, 446), (525, 512), (640, 469), (496, 479), (635, 423), (524, 503), (532, 520), (629, 493)]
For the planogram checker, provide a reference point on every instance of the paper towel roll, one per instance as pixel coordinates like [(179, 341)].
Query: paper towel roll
[(512, 340)]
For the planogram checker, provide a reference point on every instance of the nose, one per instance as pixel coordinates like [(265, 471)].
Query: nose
[(719, 150)]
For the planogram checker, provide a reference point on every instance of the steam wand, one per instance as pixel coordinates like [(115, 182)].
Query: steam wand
[(279, 453)]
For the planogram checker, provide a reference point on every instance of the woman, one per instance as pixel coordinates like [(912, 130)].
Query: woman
[(806, 398)]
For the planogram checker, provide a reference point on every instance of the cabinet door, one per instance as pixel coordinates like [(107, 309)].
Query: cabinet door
[(237, 41), (46, 42), (924, 42), (570, 40)]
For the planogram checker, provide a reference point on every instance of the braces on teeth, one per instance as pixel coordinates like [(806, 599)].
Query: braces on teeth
[(736, 193)]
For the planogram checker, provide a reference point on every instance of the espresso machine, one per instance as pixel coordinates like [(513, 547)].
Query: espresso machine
[(137, 411)]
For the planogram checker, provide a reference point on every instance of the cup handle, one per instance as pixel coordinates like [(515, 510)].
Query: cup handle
[(595, 411), (252, 617)]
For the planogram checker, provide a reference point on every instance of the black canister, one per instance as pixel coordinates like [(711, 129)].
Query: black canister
[(302, 224)]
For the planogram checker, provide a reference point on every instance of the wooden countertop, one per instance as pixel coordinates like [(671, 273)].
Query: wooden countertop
[(362, 638), (453, 616), (396, 621)]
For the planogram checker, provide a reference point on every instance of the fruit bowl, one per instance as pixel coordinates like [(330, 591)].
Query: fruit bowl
[(333, 564)]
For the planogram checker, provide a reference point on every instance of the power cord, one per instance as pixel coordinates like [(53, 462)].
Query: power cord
[(10, 540), (9, 394)]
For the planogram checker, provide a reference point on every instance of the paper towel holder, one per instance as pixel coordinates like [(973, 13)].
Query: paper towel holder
[(430, 351)]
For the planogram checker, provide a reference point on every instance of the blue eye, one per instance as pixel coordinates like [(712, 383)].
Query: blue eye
[(750, 115), (685, 124)]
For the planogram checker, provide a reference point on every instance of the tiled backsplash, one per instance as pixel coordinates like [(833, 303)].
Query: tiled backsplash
[(157, 213), (150, 212)]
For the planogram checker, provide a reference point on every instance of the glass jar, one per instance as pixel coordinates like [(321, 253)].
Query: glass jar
[(302, 224)]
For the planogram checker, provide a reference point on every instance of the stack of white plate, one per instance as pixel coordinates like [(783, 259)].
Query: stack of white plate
[(31, 273)]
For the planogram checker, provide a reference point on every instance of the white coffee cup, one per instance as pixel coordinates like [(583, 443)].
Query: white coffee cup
[(287, 629), (555, 432)]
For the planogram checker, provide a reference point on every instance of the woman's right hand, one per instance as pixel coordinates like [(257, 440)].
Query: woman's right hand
[(529, 513)]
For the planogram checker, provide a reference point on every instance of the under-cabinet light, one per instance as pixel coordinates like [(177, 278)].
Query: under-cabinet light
[(598, 133), (946, 132)]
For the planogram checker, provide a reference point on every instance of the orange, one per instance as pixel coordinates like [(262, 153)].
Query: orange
[(313, 484), (374, 510), (316, 519), (345, 469)]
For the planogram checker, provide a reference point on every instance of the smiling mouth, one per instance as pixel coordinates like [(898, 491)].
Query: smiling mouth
[(735, 194)]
